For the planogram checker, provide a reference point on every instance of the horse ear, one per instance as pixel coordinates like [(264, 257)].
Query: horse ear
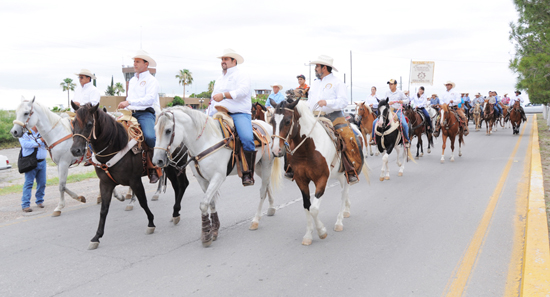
[(293, 104), (263, 107), (22, 98), (104, 109), (358, 103), (273, 103), (33, 99), (94, 108), (75, 107)]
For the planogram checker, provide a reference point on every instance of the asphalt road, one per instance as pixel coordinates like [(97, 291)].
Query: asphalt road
[(439, 229)]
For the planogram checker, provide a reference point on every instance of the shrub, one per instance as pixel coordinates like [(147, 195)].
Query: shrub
[(6, 123), (178, 101)]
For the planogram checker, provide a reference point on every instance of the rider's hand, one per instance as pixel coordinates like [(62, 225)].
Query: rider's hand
[(218, 97), (322, 103), (123, 104)]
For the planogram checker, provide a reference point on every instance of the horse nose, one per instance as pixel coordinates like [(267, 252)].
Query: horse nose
[(77, 152), (159, 163)]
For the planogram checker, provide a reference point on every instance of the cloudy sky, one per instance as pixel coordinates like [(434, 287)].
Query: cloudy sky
[(43, 42)]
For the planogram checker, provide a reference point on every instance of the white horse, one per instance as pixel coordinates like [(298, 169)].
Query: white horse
[(198, 132), (54, 129), (315, 159)]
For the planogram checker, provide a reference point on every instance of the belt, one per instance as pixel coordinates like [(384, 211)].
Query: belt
[(148, 109), (39, 160)]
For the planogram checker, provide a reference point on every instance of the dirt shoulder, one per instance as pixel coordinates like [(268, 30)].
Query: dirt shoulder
[(544, 141)]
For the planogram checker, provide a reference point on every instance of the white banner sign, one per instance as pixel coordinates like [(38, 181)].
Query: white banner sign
[(422, 73)]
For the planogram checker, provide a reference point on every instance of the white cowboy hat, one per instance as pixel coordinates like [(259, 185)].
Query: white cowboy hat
[(85, 72), (277, 85), (450, 83), (141, 54), (324, 60), (228, 52)]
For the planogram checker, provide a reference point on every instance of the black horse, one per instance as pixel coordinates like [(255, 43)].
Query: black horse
[(107, 137)]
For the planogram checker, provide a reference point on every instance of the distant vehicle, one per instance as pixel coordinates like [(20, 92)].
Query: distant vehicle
[(533, 108), (350, 109), (4, 163)]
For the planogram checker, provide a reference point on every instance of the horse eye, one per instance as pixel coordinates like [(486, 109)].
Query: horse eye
[(287, 122), (89, 125), (168, 131), (26, 114)]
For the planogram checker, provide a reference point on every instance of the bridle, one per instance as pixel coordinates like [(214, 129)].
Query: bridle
[(173, 160), (24, 125), (89, 139), (287, 145)]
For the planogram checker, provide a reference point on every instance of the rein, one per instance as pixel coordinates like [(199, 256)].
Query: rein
[(179, 156), (287, 145)]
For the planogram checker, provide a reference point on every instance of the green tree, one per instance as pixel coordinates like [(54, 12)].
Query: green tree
[(68, 85), (531, 38), (185, 77), (110, 89), (211, 87), (119, 88), (261, 98)]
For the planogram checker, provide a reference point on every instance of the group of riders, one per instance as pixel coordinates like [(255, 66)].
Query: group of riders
[(326, 97)]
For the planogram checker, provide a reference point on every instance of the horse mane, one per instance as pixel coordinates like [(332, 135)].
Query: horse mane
[(445, 107), (303, 110), (51, 116), (199, 119)]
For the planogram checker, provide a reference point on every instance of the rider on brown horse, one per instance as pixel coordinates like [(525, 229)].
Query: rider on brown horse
[(452, 98), (514, 100)]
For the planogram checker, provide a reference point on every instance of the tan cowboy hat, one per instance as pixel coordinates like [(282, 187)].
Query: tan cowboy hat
[(450, 83), (85, 72), (228, 52), (141, 54), (324, 60), (277, 85)]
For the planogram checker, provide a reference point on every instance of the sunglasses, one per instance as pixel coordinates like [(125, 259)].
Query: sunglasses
[(81, 77)]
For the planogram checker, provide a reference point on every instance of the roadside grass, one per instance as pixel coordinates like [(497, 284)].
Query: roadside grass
[(9, 143), (544, 142), (50, 182)]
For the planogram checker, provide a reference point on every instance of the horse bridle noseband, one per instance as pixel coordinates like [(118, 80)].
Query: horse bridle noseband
[(24, 125), (169, 146)]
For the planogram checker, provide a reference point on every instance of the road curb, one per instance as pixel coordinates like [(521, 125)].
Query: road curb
[(536, 260)]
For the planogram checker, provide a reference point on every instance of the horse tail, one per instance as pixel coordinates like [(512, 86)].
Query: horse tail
[(366, 170), (276, 173), (410, 156), (461, 138)]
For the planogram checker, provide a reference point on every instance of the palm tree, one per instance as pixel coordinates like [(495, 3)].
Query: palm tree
[(68, 86), (211, 86), (185, 77), (119, 88)]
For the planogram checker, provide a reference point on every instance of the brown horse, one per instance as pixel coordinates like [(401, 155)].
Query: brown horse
[(417, 127), (515, 118), (258, 111), (450, 128), (477, 116), (365, 116), (489, 116)]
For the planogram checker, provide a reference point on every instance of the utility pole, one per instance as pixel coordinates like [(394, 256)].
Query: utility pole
[(351, 78), (400, 84)]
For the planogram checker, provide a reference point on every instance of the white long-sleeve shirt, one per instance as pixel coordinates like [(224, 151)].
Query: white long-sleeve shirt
[(237, 83), (514, 99), (450, 95), (372, 100), (143, 92), (396, 96), (87, 94), (421, 101), (330, 89)]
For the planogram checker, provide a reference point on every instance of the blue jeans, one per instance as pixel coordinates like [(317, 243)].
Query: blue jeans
[(498, 109), (426, 115), (147, 122), (243, 125), (403, 123), (40, 174)]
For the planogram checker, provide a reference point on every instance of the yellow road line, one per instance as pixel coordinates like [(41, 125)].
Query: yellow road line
[(536, 265), (461, 274), (513, 281)]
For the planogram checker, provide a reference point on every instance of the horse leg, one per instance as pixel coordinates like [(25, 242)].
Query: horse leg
[(137, 186), (117, 196), (258, 215), (179, 184), (303, 184), (106, 190), (344, 207), (443, 149), (214, 217), (452, 139), (385, 174), (402, 163), (129, 194), (162, 181), (130, 205), (210, 189)]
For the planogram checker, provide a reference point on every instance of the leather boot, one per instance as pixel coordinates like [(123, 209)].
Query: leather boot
[(248, 175), (350, 174), (151, 169)]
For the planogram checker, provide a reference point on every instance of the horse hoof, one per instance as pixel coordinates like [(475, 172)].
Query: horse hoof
[(442, 161), (452, 159), (176, 220), (82, 199), (207, 243), (271, 211), (400, 174), (347, 214), (381, 179), (99, 200), (93, 245), (128, 196), (129, 207), (429, 151), (323, 236), (338, 228), (306, 241), (460, 155), (417, 158), (253, 226), (155, 197), (56, 213), (150, 230), (387, 178)]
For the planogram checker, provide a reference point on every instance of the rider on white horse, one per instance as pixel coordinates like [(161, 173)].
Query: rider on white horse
[(232, 91), (143, 100), (397, 98)]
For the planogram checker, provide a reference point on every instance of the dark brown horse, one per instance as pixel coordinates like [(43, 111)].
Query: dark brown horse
[(450, 128), (515, 118), (108, 137), (489, 116), (258, 111), (417, 127)]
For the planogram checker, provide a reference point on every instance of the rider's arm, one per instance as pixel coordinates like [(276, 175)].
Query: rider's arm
[(341, 100)]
